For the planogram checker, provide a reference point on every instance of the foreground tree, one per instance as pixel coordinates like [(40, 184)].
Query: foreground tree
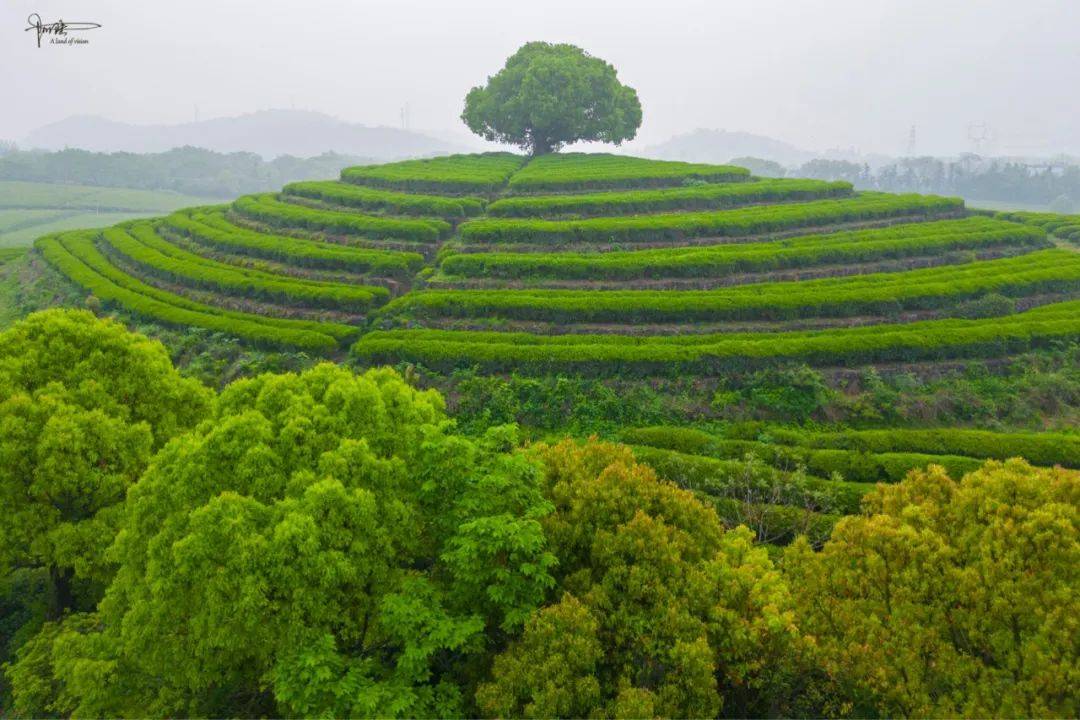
[(323, 546), (952, 599), (661, 614), (550, 95), (83, 405)]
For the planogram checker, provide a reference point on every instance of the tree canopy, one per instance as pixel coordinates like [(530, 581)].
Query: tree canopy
[(322, 546), (951, 599), (662, 612), (549, 95), (83, 406), (331, 544)]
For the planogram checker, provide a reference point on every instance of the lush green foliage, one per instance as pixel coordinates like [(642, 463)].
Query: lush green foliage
[(83, 405), (140, 244), (721, 223), (75, 255), (211, 228), (613, 354), (1046, 271), (269, 209), (549, 95), (901, 241), (481, 173), (323, 546), (662, 613), (951, 599), (394, 203), (327, 544), (594, 171), (694, 197)]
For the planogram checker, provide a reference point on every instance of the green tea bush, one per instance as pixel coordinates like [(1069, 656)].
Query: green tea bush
[(483, 173), (587, 171), (396, 203), (721, 223), (269, 209), (212, 229), (609, 355), (853, 465), (1051, 270), (1046, 449), (1064, 226), (83, 247), (990, 305), (901, 241), (719, 477), (697, 197), (141, 245), (63, 253)]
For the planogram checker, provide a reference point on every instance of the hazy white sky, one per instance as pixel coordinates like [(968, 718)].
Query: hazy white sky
[(817, 73)]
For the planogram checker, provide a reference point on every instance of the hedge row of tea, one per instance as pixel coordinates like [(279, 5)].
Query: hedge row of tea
[(611, 355), (868, 456), (815, 478), (1063, 226), (928, 239), (567, 172), (76, 255), (213, 230), (694, 197), (675, 227), (1044, 271), (454, 174), (268, 208), (385, 201), (140, 244)]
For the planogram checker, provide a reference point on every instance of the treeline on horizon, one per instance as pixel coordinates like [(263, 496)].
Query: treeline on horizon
[(1053, 184), (196, 171), (188, 170)]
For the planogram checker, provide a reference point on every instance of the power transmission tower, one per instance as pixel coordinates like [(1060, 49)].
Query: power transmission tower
[(980, 134), (911, 142)]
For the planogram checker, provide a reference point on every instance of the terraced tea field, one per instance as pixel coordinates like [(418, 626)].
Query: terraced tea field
[(621, 268), (593, 264)]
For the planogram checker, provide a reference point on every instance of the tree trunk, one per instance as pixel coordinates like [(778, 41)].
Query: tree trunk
[(60, 592), (540, 147)]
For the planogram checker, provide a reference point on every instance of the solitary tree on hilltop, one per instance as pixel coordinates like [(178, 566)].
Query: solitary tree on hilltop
[(550, 95)]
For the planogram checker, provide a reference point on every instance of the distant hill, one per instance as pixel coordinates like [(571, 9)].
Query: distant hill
[(721, 146), (269, 133), (190, 170)]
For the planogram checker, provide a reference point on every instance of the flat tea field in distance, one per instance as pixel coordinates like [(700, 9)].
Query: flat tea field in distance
[(29, 210)]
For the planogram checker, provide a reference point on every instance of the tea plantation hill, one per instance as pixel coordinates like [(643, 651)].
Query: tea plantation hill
[(614, 266)]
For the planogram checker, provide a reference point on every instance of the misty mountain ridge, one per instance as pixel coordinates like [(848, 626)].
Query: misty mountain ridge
[(720, 146), (723, 146), (269, 133)]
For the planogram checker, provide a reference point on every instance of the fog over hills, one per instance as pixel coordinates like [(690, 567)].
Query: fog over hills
[(269, 133), (720, 146)]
